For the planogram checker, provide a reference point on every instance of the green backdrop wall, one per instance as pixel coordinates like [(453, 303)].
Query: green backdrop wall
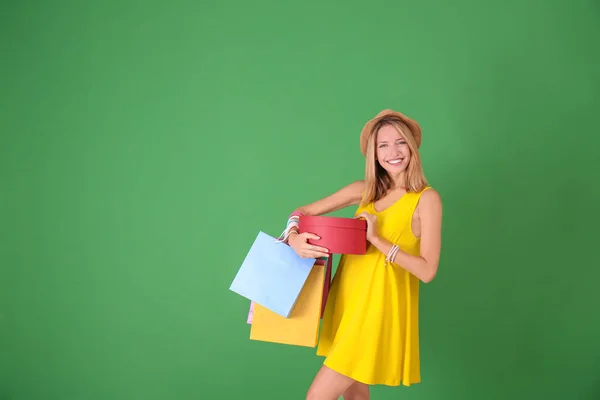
[(144, 144)]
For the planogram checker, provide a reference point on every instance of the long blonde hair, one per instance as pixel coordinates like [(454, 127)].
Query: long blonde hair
[(377, 180)]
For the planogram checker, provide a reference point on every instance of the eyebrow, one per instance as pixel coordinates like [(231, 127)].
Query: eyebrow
[(385, 141)]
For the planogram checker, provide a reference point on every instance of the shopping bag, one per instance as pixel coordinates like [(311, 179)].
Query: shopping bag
[(250, 313), (272, 275), (302, 326), (326, 283)]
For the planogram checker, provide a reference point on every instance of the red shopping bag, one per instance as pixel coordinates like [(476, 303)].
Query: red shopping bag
[(327, 282)]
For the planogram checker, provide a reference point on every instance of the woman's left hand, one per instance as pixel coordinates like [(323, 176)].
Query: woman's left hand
[(371, 225)]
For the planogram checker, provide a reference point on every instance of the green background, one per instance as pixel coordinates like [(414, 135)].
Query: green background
[(144, 144)]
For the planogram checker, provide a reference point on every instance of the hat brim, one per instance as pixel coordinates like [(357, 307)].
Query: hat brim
[(367, 130)]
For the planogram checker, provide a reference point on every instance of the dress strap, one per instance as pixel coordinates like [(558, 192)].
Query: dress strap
[(414, 200)]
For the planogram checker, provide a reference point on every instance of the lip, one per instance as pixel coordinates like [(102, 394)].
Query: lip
[(400, 161)]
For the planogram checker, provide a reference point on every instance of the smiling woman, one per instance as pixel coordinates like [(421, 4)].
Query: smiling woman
[(370, 326)]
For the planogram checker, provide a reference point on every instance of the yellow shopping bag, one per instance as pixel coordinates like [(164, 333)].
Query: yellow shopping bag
[(301, 328)]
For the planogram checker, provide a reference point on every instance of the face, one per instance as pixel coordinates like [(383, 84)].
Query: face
[(392, 151)]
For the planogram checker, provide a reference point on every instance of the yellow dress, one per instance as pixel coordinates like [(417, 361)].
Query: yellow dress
[(370, 329)]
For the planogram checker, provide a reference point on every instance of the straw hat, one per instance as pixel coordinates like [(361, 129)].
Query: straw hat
[(390, 115)]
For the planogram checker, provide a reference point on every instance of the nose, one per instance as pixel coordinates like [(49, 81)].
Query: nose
[(393, 152)]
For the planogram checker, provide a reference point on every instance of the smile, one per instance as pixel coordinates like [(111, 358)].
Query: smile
[(396, 161)]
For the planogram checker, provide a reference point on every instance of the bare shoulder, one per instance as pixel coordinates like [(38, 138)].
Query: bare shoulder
[(430, 201), (431, 196)]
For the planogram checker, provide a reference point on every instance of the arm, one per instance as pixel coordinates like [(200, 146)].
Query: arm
[(347, 196), (424, 266)]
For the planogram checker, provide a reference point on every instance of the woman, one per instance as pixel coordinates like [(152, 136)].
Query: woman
[(370, 327)]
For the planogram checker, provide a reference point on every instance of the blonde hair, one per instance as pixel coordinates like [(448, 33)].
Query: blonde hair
[(377, 180)]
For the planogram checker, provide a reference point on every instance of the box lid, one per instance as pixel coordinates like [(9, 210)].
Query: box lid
[(338, 222)]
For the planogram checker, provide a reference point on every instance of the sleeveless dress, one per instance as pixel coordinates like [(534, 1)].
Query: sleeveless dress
[(370, 328)]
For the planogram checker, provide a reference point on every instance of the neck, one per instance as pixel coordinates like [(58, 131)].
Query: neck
[(398, 181)]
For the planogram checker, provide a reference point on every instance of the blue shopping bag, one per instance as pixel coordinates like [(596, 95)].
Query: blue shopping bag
[(272, 275)]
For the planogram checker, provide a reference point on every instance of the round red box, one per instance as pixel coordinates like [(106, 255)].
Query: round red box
[(338, 235)]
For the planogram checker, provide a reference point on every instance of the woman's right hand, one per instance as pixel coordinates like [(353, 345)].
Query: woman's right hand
[(299, 242)]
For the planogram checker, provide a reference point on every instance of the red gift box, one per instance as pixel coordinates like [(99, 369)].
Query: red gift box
[(339, 236)]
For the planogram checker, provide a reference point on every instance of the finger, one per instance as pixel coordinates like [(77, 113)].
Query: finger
[(313, 252), (317, 254), (313, 248), (308, 235)]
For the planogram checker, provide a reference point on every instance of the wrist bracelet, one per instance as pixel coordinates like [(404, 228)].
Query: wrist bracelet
[(391, 256), (293, 222)]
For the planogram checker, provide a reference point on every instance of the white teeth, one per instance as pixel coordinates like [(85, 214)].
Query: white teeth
[(395, 161)]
